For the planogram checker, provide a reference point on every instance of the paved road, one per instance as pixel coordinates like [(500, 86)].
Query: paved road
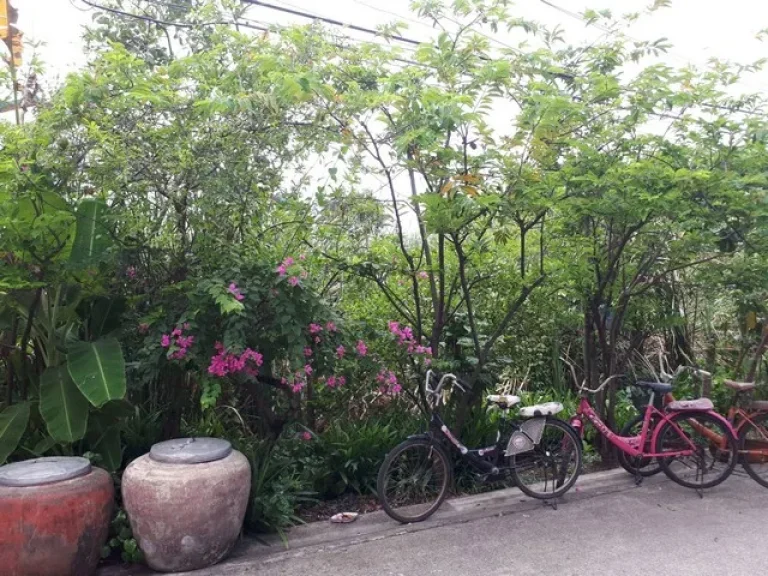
[(658, 528)]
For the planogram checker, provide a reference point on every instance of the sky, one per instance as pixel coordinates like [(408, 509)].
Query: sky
[(698, 29)]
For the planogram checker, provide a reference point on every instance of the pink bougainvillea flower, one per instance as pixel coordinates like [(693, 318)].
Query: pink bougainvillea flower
[(297, 387), (308, 370), (288, 261), (302, 256), (427, 361), (315, 328), (341, 381), (423, 275), (281, 271), (293, 281), (307, 352), (235, 291), (317, 339), (176, 332), (186, 326), (330, 326), (224, 363), (396, 389), (340, 352), (306, 436), (394, 327), (331, 382), (362, 349), (131, 272), (165, 341)]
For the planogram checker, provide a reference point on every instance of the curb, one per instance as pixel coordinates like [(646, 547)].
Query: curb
[(323, 536)]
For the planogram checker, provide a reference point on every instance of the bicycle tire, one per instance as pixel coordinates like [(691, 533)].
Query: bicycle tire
[(648, 466), (393, 509), (748, 460), (574, 443), (699, 418)]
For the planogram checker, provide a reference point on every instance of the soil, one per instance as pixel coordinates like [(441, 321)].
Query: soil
[(318, 511)]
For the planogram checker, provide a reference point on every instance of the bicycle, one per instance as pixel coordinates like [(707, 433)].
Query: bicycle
[(672, 437), (541, 453), (749, 422)]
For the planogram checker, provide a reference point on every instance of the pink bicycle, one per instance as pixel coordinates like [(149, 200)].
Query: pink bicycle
[(679, 437)]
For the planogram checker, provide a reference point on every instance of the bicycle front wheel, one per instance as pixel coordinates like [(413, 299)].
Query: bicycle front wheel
[(552, 467), (710, 449), (414, 480), (753, 447)]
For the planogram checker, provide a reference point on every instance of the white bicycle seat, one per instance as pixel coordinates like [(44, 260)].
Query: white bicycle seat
[(546, 409)]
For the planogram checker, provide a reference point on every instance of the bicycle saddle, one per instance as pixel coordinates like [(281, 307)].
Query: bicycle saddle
[(546, 409), (660, 387), (504, 400), (739, 386)]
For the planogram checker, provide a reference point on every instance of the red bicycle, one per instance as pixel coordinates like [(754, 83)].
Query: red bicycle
[(678, 438), (749, 420)]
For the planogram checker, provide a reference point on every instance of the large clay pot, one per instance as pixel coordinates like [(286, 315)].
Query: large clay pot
[(186, 502), (54, 517)]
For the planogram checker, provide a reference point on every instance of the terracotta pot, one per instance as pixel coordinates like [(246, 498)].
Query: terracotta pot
[(186, 502), (54, 517)]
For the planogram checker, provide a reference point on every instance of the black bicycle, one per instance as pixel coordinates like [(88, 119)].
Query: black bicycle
[(541, 453)]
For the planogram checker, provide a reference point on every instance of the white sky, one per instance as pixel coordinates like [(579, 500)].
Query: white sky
[(698, 29)]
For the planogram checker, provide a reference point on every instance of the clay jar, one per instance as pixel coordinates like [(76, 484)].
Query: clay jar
[(54, 517), (186, 502)]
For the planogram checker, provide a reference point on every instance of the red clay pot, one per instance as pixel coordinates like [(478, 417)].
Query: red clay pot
[(57, 528)]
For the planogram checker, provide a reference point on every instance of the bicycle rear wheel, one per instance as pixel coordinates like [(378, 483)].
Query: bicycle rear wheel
[(714, 452), (753, 448), (554, 464), (414, 480), (639, 465)]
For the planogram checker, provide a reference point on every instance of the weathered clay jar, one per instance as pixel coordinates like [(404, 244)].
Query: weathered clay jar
[(186, 502), (54, 517)]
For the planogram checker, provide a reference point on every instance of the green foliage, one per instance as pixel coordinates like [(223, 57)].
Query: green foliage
[(13, 422), (121, 541)]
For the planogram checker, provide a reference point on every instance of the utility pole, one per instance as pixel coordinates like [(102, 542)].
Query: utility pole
[(11, 35)]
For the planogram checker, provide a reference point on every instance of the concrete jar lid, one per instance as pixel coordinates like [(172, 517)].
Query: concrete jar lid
[(190, 450), (42, 471)]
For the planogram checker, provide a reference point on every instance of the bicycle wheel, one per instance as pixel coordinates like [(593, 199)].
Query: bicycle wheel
[(714, 455), (414, 480), (552, 467), (645, 467), (753, 448)]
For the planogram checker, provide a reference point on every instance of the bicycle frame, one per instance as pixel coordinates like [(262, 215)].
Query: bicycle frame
[(635, 445)]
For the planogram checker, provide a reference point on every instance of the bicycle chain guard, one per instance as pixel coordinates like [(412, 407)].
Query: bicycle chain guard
[(527, 437)]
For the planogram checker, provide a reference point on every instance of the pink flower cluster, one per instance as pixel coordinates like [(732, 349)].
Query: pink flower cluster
[(224, 363), (177, 342), (335, 382), (283, 269), (362, 349), (235, 291), (388, 383), (405, 338)]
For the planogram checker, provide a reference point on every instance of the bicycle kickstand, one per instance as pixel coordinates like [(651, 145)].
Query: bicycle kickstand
[(551, 503), (638, 477)]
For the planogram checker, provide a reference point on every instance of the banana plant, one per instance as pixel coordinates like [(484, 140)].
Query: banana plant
[(80, 363)]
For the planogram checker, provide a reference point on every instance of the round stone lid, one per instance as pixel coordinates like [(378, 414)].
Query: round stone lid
[(43, 471), (190, 450)]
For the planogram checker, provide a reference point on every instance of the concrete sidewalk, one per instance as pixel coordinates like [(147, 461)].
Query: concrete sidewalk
[(605, 525)]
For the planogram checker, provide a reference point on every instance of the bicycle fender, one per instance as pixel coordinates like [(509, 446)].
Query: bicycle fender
[(573, 429)]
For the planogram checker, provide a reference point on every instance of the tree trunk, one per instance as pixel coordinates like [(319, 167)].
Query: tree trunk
[(761, 347)]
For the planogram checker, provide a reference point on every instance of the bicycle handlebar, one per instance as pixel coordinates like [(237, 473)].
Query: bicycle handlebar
[(444, 379)]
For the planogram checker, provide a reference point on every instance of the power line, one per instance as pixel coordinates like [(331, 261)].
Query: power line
[(332, 21)]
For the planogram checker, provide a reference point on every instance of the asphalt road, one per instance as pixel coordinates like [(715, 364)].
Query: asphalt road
[(658, 528)]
